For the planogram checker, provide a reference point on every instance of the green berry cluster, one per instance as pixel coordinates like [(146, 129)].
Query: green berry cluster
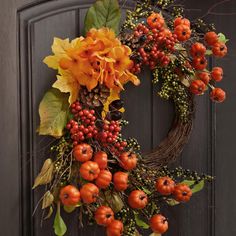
[(172, 88), (133, 144)]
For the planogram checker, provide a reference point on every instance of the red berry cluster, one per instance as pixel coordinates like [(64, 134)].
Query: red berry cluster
[(157, 41), (109, 133), (118, 147), (85, 128)]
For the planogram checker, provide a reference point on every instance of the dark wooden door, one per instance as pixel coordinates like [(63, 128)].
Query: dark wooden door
[(27, 31)]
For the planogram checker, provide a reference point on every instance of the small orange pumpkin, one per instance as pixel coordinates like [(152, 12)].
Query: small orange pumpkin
[(218, 95), (83, 152), (219, 49), (104, 179), (89, 193), (115, 228), (197, 87), (182, 193), (101, 159), (89, 170), (128, 161), (104, 215), (159, 224), (198, 50), (183, 32), (211, 38), (138, 199), (165, 186), (69, 195), (217, 74), (120, 180)]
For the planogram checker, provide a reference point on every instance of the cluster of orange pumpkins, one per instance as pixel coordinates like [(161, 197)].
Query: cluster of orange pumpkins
[(94, 168)]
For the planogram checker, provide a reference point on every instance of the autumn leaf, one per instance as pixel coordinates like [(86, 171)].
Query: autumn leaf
[(46, 174), (47, 200), (53, 111), (66, 83)]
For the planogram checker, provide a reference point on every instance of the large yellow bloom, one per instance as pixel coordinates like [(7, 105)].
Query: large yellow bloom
[(98, 58)]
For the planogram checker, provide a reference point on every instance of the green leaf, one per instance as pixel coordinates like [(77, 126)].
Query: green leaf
[(53, 111), (47, 200), (222, 38), (208, 52), (146, 190), (50, 211), (70, 209), (155, 234), (113, 200), (198, 187), (188, 182), (103, 13), (140, 222), (59, 224), (46, 174), (172, 202)]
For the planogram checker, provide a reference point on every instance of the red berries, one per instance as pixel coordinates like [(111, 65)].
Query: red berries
[(217, 74), (218, 95), (197, 87)]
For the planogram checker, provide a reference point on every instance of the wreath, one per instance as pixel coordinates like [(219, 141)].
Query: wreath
[(93, 169)]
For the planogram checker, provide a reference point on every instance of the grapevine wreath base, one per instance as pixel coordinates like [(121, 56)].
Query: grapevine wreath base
[(93, 169)]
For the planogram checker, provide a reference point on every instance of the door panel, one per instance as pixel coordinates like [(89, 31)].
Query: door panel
[(28, 31)]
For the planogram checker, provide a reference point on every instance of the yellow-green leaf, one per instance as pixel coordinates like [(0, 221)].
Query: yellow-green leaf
[(113, 200), (66, 83), (53, 111), (172, 202), (59, 224), (70, 209), (103, 13), (155, 234), (198, 187), (140, 222), (48, 199), (50, 211), (46, 174)]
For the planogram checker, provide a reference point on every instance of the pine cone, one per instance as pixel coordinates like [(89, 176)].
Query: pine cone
[(94, 98)]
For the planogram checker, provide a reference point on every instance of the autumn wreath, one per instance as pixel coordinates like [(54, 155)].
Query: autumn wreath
[(93, 169)]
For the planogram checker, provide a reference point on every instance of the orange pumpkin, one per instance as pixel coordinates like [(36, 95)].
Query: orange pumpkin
[(156, 21), (217, 74), (211, 38), (197, 87), (204, 77), (199, 63), (69, 195), (89, 170), (120, 180), (165, 186), (128, 161), (198, 50), (101, 159), (138, 199), (219, 49), (183, 32), (89, 193), (104, 179), (218, 95), (181, 21), (182, 193), (83, 152), (159, 224), (104, 215), (115, 228)]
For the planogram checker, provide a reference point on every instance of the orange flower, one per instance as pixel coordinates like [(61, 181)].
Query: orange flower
[(98, 58)]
